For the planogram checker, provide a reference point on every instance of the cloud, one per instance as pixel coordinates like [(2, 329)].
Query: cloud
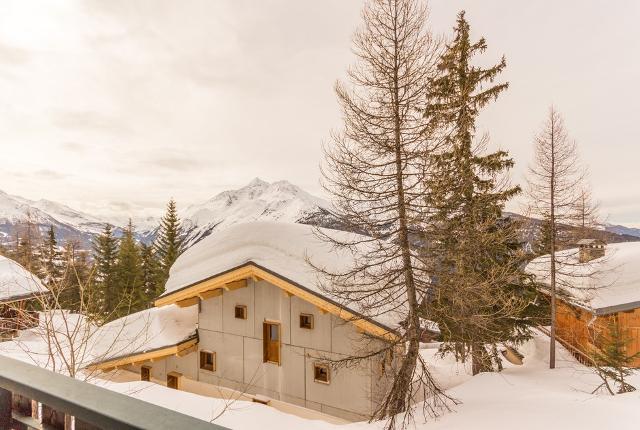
[(73, 147), (50, 174), (90, 120)]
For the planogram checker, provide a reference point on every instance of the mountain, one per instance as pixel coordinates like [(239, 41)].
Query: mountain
[(68, 223), (620, 229), (257, 201)]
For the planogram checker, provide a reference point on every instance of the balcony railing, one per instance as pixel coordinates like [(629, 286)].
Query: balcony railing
[(22, 384)]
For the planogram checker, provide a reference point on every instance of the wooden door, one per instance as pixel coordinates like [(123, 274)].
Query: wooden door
[(271, 341)]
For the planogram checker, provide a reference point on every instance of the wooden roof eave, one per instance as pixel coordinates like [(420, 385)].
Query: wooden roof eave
[(163, 352), (251, 270)]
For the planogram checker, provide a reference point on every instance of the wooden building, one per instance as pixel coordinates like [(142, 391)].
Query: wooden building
[(597, 285), (18, 287), (263, 327)]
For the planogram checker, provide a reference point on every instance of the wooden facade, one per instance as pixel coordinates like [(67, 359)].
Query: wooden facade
[(583, 328)]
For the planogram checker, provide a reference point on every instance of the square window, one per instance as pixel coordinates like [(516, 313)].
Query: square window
[(145, 373), (208, 360), (321, 373), (173, 380), (306, 321), (241, 312)]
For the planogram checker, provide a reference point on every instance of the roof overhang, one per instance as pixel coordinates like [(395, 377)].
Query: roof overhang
[(182, 348), (229, 279), (23, 297)]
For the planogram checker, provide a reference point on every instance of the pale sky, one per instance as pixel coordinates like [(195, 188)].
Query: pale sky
[(114, 106)]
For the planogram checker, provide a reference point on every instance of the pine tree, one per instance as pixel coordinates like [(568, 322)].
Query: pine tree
[(169, 242), (50, 257), (152, 285), (27, 245), (129, 276), (480, 297), (105, 252)]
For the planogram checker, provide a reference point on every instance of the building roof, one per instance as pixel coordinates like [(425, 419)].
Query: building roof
[(590, 242), (152, 333), (16, 282), (280, 252), (604, 285)]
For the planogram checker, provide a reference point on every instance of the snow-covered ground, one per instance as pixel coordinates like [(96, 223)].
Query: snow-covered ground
[(527, 397)]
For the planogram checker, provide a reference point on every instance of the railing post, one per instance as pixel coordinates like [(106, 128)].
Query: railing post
[(5, 409)]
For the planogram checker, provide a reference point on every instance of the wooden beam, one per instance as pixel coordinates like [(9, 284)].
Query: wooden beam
[(210, 294), (235, 285), (186, 351), (188, 302)]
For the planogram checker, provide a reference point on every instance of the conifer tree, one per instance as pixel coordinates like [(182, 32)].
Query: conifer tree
[(169, 242), (612, 362), (50, 256), (152, 285), (479, 296), (105, 252), (129, 276)]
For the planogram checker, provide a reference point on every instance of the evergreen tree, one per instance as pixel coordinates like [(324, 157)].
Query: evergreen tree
[(105, 252), (169, 242), (480, 294), (152, 285), (612, 362), (75, 280), (129, 275), (50, 257), (27, 251)]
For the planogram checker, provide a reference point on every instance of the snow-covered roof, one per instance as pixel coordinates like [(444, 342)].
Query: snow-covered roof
[(16, 282), (145, 331), (282, 248), (607, 284)]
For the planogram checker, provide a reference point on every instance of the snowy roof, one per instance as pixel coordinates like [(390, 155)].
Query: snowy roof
[(282, 248), (607, 284), (16, 282), (144, 331)]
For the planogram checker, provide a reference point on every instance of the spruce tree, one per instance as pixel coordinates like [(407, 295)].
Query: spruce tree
[(152, 285), (612, 362), (105, 252), (129, 276), (479, 297), (50, 257), (169, 242)]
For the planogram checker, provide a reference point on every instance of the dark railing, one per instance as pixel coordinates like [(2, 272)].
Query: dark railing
[(93, 407)]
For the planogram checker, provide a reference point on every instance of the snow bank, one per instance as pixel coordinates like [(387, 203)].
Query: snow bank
[(527, 397), (16, 281), (615, 277)]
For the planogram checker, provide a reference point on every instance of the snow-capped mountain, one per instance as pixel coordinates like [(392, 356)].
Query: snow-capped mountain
[(257, 201), (68, 223)]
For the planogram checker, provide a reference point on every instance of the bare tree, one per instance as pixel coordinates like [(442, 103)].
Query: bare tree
[(375, 171), (556, 181)]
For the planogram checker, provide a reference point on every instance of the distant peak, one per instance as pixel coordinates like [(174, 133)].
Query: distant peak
[(257, 182)]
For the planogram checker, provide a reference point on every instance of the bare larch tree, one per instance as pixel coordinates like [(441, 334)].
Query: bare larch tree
[(375, 172), (555, 188)]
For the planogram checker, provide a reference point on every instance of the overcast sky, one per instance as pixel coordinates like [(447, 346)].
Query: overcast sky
[(114, 106)]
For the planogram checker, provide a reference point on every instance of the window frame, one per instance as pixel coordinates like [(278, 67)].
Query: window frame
[(148, 371), (244, 312), (178, 378), (325, 366), (214, 363), (311, 322)]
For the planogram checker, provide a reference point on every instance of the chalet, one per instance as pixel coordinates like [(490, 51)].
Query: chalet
[(258, 323), (597, 284), (17, 287)]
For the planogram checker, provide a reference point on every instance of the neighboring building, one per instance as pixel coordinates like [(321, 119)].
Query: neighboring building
[(596, 284), (18, 286), (264, 326)]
